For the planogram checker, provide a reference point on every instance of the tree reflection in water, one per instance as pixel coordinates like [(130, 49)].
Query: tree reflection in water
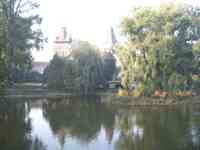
[(83, 120), (158, 130), (15, 128), (79, 118)]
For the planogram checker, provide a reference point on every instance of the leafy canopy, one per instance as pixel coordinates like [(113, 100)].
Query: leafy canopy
[(159, 47)]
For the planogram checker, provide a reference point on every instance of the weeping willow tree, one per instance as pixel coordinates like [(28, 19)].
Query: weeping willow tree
[(159, 48)]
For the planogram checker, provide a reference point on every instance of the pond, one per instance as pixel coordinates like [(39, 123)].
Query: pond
[(88, 124)]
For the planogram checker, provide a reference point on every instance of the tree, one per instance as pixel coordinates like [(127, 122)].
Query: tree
[(159, 49), (81, 71), (90, 67), (55, 73), (23, 65), (2, 50), (71, 75), (17, 20), (109, 66)]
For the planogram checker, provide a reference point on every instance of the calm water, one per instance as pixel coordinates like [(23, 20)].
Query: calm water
[(87, 124)]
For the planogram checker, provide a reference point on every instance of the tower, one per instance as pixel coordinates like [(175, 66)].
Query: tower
[(62, 43), (113, 37), (108, 55), (112, 40)]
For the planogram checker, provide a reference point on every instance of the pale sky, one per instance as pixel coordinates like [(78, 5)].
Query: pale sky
[(88, 20)]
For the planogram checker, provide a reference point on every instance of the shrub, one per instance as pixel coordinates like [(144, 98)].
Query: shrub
[(122, 93), (138, 91)]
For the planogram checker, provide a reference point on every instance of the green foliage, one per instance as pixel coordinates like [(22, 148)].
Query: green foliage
[(109, 66), (138, 91), (80, 71), (196, 82), (127, 59), (71, 75), (159, 47), (89, 65), (177, 82), (17, 35), (23, 65), (2, 73), (55, 73)]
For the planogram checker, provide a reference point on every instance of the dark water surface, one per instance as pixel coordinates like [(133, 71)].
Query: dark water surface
[(87, 124)]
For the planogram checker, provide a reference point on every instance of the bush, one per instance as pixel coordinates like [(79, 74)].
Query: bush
[(177, 82), (122, 93), (196, 82), (138, 91)]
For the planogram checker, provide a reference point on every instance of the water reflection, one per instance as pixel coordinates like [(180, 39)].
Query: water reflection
[(87, 124), (15, 128), (158, 130), (80, 120)]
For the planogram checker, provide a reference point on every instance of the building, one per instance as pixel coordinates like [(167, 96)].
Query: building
[(62, 43), (111, 42), (108, 54)]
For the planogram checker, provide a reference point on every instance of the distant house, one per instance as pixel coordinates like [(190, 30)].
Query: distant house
[(39, 66)]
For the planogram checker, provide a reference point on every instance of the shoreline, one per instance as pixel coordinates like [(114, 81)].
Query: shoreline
[(108, 97), (151, 101), (39, 93)]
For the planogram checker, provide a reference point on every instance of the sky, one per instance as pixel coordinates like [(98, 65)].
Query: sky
[(88, 20)]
